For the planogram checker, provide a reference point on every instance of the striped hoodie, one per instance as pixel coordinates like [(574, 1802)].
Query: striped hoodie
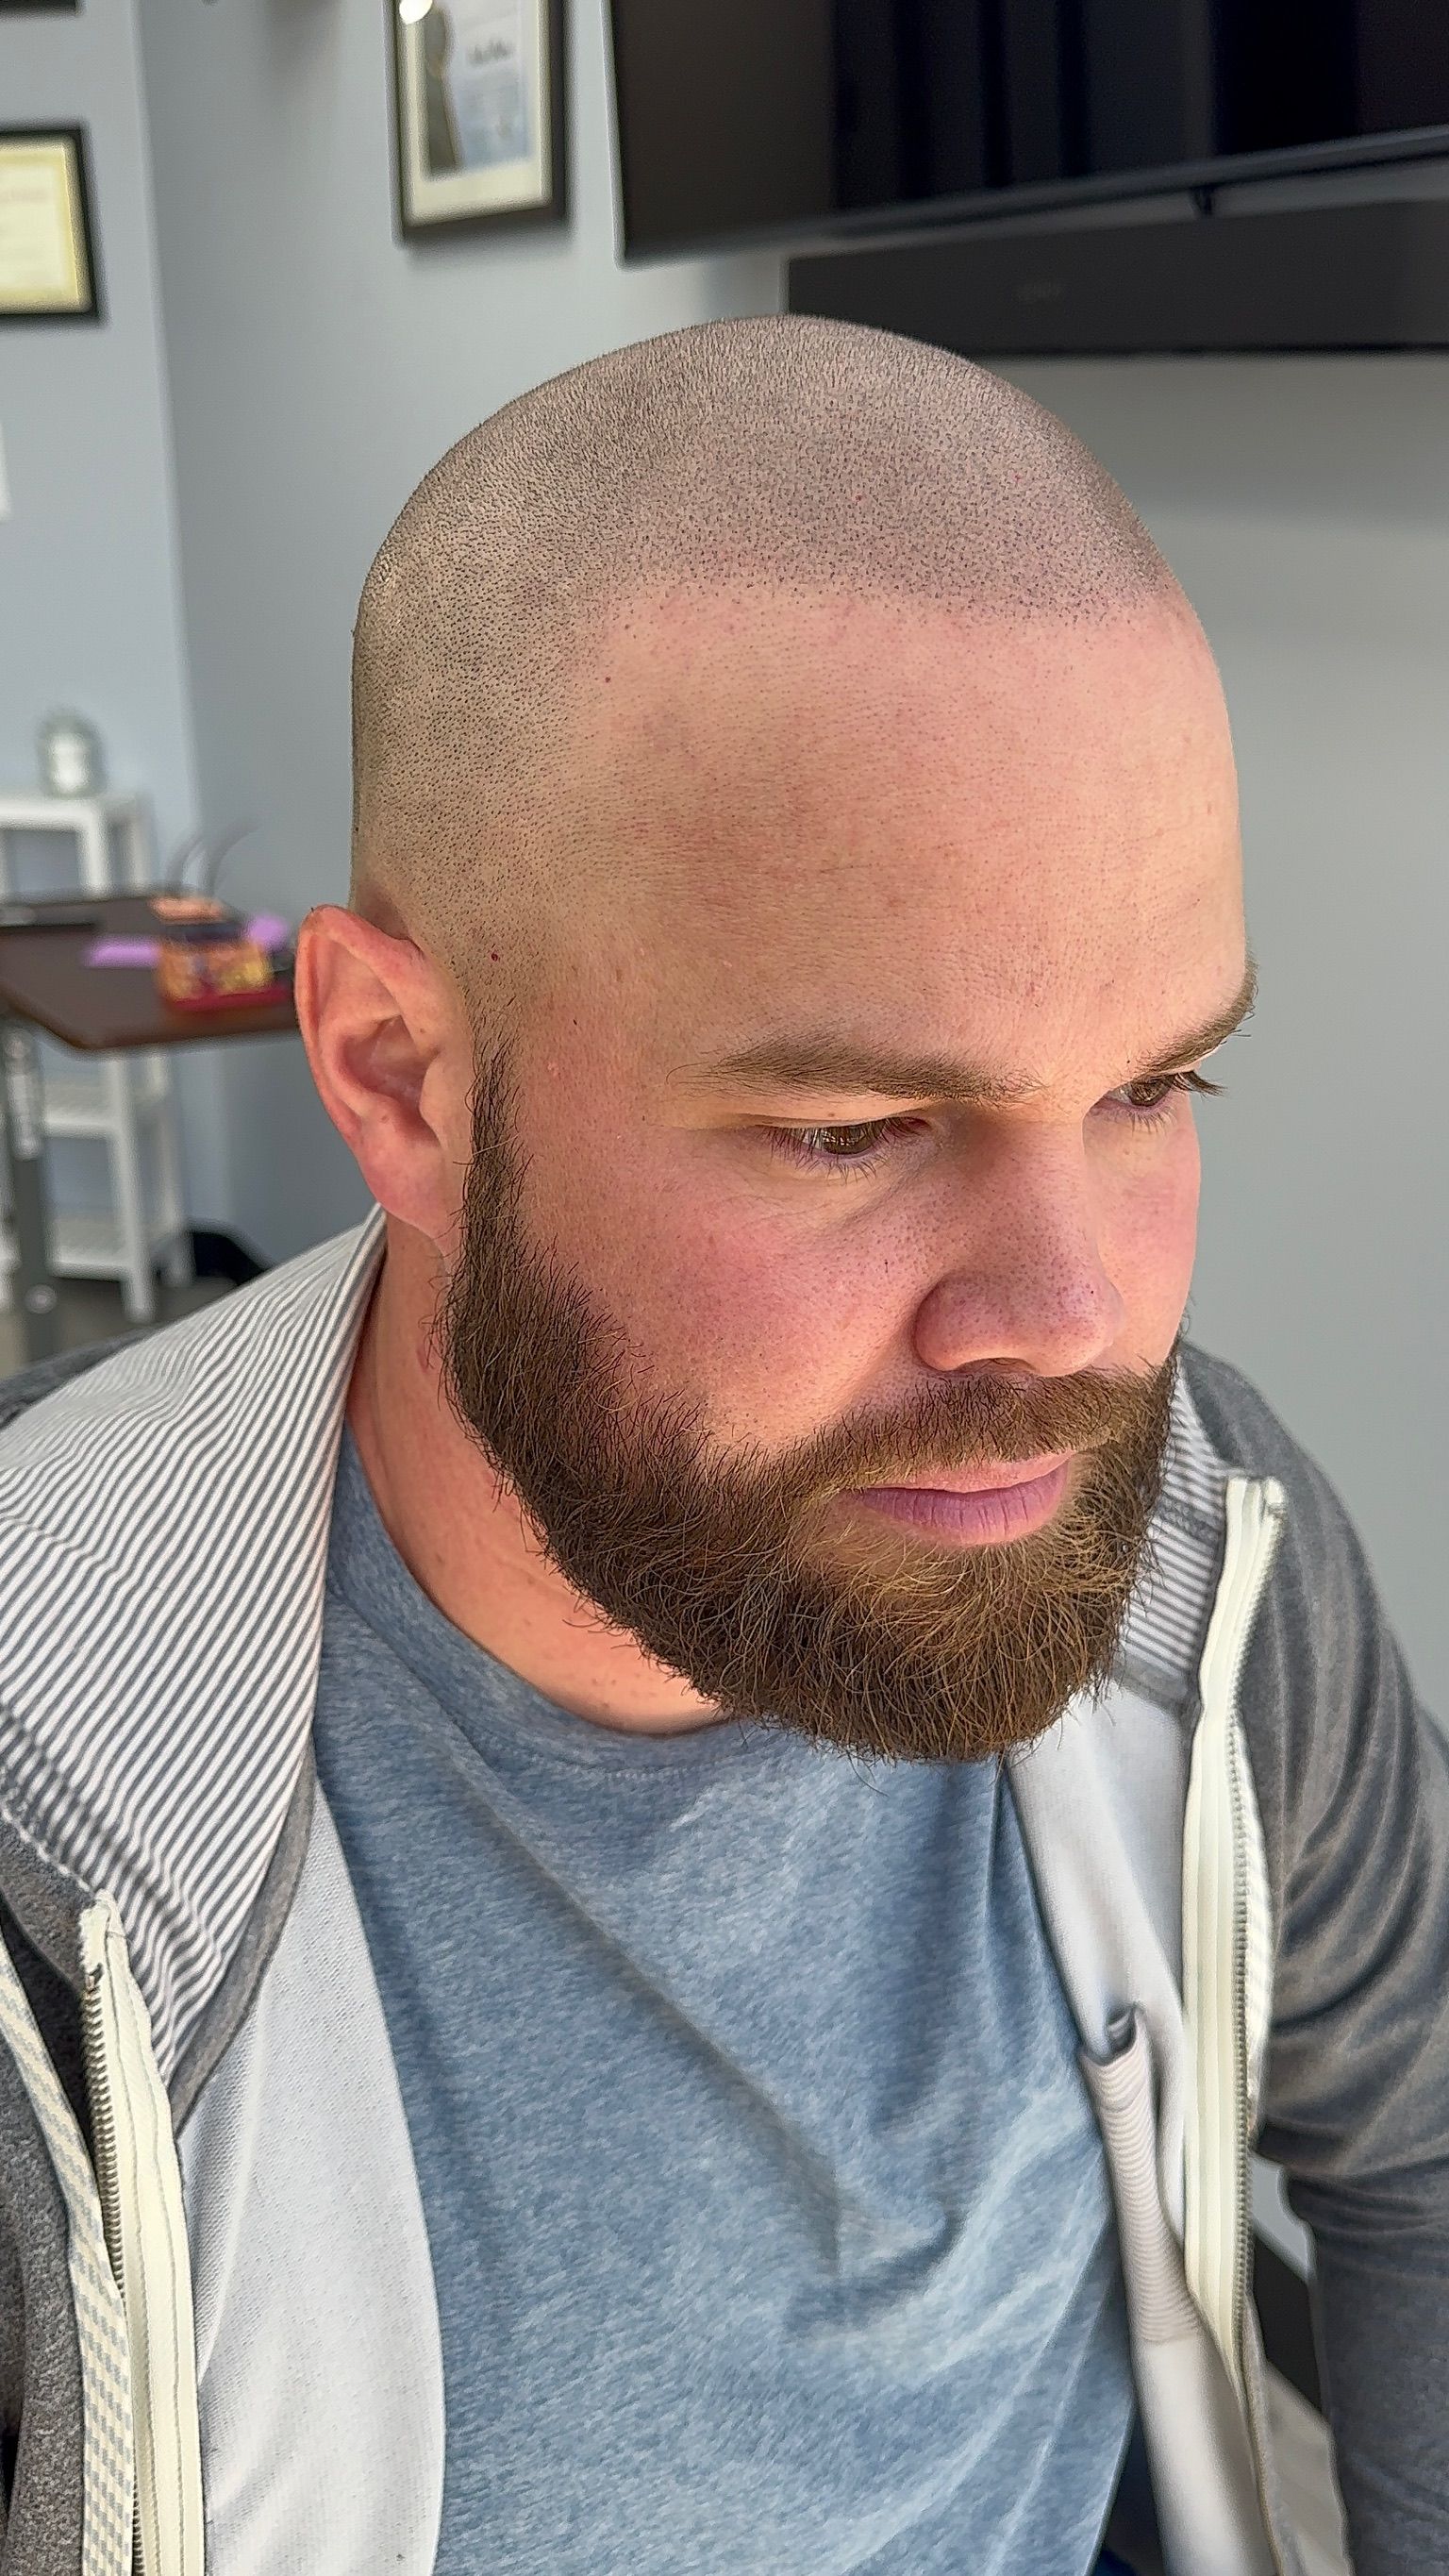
[(219, 2343)]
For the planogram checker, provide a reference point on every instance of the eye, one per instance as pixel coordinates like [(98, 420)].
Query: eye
[(861, 1147), (820, 1148), (1164, 1085)]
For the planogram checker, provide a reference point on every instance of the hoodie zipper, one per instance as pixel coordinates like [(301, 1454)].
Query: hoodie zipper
[(1272, 1510), (1256, 1508), (139, 2183), (103, 2125)]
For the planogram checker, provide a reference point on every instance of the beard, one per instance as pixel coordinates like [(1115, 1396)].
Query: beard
[(743, 1571)]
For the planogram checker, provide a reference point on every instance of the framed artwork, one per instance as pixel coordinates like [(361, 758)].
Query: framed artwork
[(36, 8), (478, 96), (47, 250)]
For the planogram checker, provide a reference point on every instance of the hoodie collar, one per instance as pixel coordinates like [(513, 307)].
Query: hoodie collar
[(163, 1555)]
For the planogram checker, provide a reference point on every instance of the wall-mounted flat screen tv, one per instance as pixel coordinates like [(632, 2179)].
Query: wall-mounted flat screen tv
[(801, 120)]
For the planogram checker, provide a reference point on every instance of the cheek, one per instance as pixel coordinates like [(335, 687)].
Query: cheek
[(765, 1322), (1150, 1240), (767, 1329)]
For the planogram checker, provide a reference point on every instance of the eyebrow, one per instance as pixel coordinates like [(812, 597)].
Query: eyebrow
[(821, 1061)]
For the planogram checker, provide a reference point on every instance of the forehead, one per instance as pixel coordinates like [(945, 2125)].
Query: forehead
[(904, 800)]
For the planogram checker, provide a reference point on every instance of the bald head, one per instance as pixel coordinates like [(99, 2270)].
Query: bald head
[(772, 458)]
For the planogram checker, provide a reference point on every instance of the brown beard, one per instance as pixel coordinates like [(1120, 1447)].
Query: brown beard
[(742, 1572)]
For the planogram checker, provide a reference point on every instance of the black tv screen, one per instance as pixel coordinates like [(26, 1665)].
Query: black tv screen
[(756, 120)]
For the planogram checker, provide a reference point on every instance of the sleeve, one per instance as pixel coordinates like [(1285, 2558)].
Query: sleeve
[(1356, 2086)]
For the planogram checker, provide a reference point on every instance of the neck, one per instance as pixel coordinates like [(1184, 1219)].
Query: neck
[(461, 1532)]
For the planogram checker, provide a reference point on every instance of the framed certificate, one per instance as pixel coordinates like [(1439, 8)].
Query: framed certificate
[(47, 259), (478, 97)]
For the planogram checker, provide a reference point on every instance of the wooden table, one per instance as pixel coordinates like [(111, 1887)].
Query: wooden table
[(99, 1010)]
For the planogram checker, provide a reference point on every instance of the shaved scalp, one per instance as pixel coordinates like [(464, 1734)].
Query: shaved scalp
[(779, 455)]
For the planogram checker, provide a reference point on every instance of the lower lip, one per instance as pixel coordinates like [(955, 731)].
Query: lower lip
[(971, 1520)]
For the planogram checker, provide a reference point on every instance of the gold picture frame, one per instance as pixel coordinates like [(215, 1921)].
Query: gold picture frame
[(47, 250), (478, 114)]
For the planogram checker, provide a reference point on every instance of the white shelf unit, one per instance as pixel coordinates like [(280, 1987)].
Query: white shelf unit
[(124, 1100)]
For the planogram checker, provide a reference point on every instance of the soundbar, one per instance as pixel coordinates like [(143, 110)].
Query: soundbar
[(1370, 276)]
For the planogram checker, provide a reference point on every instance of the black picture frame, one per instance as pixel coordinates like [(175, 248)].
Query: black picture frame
[(429, 201), (38, 8), (74, 140)]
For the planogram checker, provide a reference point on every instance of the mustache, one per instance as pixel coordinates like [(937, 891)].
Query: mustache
[(972, 1424)]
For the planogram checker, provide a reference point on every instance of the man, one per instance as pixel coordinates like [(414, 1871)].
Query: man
[(711, 1780)]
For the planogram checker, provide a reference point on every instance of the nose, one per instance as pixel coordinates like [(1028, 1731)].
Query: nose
[(1028, 1293)]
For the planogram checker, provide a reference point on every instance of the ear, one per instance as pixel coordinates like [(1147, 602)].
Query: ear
[(390, 1052)]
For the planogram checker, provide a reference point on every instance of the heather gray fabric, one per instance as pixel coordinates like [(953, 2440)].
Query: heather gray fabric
[(40, 2380), (1352, 1780), (769, 2215)]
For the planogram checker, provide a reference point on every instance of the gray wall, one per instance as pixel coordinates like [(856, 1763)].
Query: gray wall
[(1304, 503), (318, 368), (89, 597)]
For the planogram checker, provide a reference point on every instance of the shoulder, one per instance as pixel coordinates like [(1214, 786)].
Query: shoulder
[(1343, 1751), (27, 1386), (1320, 1545)]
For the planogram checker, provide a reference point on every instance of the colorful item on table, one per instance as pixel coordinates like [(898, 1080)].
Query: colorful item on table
[(201, 963), (191, 914), (121, 952), (191, 907)]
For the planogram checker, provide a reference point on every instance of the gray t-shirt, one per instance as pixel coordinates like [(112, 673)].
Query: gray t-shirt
[(768, 2212)]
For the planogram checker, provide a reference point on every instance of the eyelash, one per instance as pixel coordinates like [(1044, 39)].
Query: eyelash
[(801, 1146)]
